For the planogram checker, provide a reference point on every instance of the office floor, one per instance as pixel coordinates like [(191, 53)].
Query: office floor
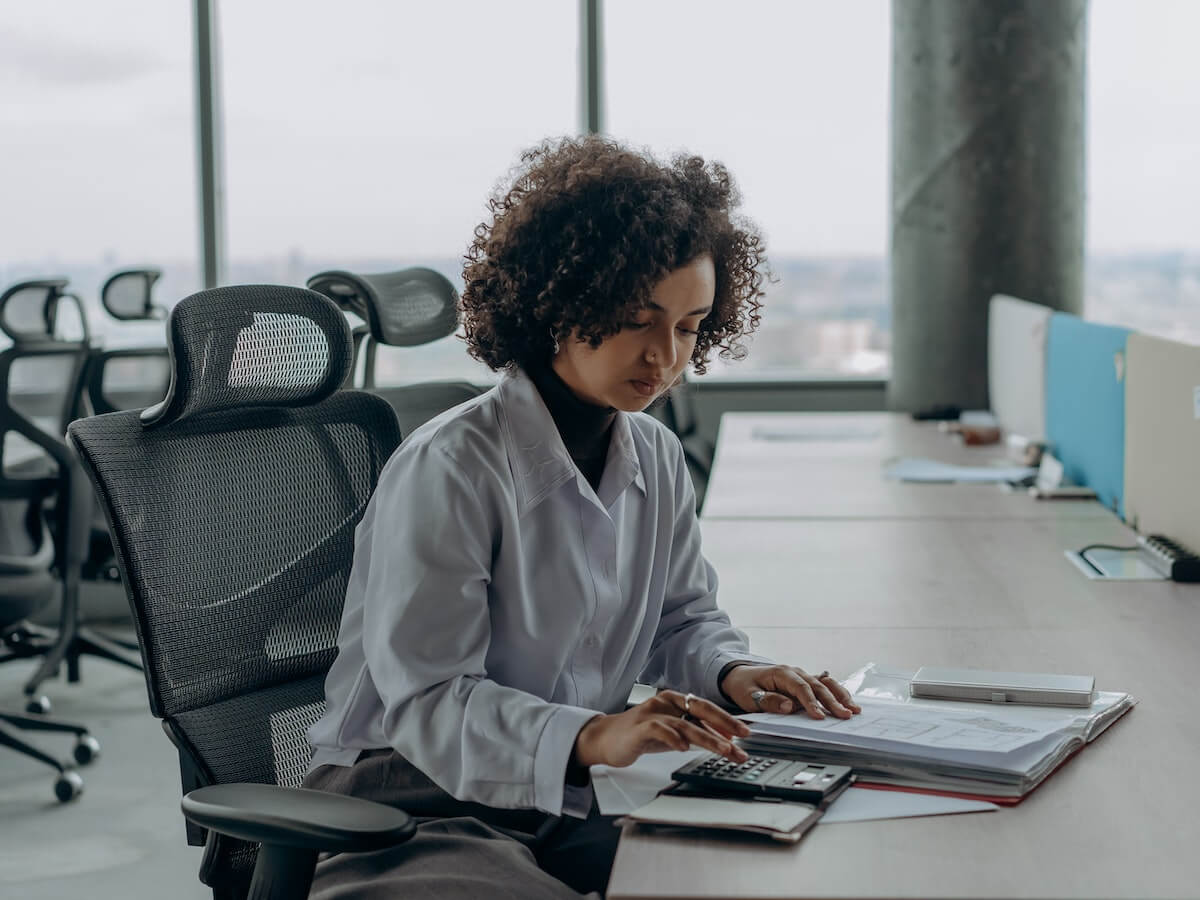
[(123, 838)]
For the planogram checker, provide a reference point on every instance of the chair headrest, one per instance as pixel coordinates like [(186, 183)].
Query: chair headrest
[(127, 295), (405, 308), (251, 345), (28, 308)]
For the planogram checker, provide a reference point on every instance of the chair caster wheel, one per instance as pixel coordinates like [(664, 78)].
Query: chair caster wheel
[(68, 787), (87, 748), (38, 706)]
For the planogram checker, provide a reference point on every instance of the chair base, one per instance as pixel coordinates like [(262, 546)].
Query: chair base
[(55, 648), (69, 785)]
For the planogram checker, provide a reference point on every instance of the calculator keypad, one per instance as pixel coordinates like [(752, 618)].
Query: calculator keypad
[(753, 769), (765, 775)]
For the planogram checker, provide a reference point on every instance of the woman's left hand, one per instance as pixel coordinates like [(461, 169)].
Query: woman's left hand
[(785, 688)]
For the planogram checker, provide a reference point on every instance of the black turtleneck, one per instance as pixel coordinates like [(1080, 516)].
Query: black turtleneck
[(584, 427)]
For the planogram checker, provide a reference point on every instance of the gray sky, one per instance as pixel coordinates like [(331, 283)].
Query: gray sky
[(370, 128)]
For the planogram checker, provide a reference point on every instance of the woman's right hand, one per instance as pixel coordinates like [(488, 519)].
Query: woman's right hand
[(656, 725)]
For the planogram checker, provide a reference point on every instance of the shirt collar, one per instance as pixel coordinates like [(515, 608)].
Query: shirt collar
[(540, 461)]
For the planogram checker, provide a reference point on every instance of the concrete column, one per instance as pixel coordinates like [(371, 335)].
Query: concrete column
[(987, 180)]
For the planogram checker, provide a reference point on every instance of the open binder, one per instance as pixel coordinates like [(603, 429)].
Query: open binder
[(976, 750)]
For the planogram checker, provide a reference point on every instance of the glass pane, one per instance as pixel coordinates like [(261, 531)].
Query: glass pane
[(793, 96), (368, 137), (1143, 230), (96, 115)]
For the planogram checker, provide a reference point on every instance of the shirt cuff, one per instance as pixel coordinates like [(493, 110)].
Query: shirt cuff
[(553, 753)]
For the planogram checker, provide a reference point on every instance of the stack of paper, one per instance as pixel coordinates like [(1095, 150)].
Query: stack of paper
[(997, 751)]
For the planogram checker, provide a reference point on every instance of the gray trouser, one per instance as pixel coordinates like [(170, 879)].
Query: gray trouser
[(461, 849)]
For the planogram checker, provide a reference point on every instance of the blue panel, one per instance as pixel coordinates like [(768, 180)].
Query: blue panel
[(1085, 404)]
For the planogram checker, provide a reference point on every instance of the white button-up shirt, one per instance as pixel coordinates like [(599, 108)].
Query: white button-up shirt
[(497, 602)]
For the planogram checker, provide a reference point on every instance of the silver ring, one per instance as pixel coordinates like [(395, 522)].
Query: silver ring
[(824, 674), (757, 696), (687, 704)]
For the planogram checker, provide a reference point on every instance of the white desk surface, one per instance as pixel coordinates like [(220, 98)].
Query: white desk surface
[(1119, 820), (830, 465)]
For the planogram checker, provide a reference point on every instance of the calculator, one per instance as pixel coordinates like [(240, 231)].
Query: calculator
[(766, 776)]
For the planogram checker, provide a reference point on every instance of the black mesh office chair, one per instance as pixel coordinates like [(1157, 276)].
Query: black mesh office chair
[(406, 308), (232, 505), (39, 555), (42, 382)]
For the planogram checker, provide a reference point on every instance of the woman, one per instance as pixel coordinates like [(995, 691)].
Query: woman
[(530, 554)]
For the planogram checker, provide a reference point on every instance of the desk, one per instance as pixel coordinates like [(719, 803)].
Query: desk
[(1119, 820), (829, 465)]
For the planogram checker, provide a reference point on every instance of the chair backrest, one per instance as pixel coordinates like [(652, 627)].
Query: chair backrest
[(405, 308), (29, 310), (232, 507), (128, 295)]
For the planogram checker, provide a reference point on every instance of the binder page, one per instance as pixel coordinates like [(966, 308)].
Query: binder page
[(884, 722)]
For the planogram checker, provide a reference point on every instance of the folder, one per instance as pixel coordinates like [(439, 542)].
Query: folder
[(1085, 404), (983, 751)]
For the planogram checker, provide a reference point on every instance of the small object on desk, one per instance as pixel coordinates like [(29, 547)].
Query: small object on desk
[(1024, 450), (941, 412), (1051, 482), (939, 683), (1154, 558), (978, 418), (979, 436), (765, 776), (1170, 557)]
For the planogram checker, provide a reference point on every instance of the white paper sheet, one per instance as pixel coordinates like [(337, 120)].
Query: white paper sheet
[(863, 804), (621, 791), (940, 727), (932, 471)]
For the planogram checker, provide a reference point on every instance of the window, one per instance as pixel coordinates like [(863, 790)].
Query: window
[(793, 97), (97, 137), (1143, 229), (368, 135)]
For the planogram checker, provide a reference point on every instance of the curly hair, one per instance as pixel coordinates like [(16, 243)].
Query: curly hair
[(578, 242)]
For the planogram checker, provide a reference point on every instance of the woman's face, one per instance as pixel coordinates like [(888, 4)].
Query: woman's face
[(632, 367)]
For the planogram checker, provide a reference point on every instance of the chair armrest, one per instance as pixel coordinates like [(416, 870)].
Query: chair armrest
[(297, 817)]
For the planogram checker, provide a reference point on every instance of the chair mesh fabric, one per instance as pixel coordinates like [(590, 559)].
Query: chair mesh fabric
[(259, 737), (414, 306), (237, 538), (234, 532), (253, 345)]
